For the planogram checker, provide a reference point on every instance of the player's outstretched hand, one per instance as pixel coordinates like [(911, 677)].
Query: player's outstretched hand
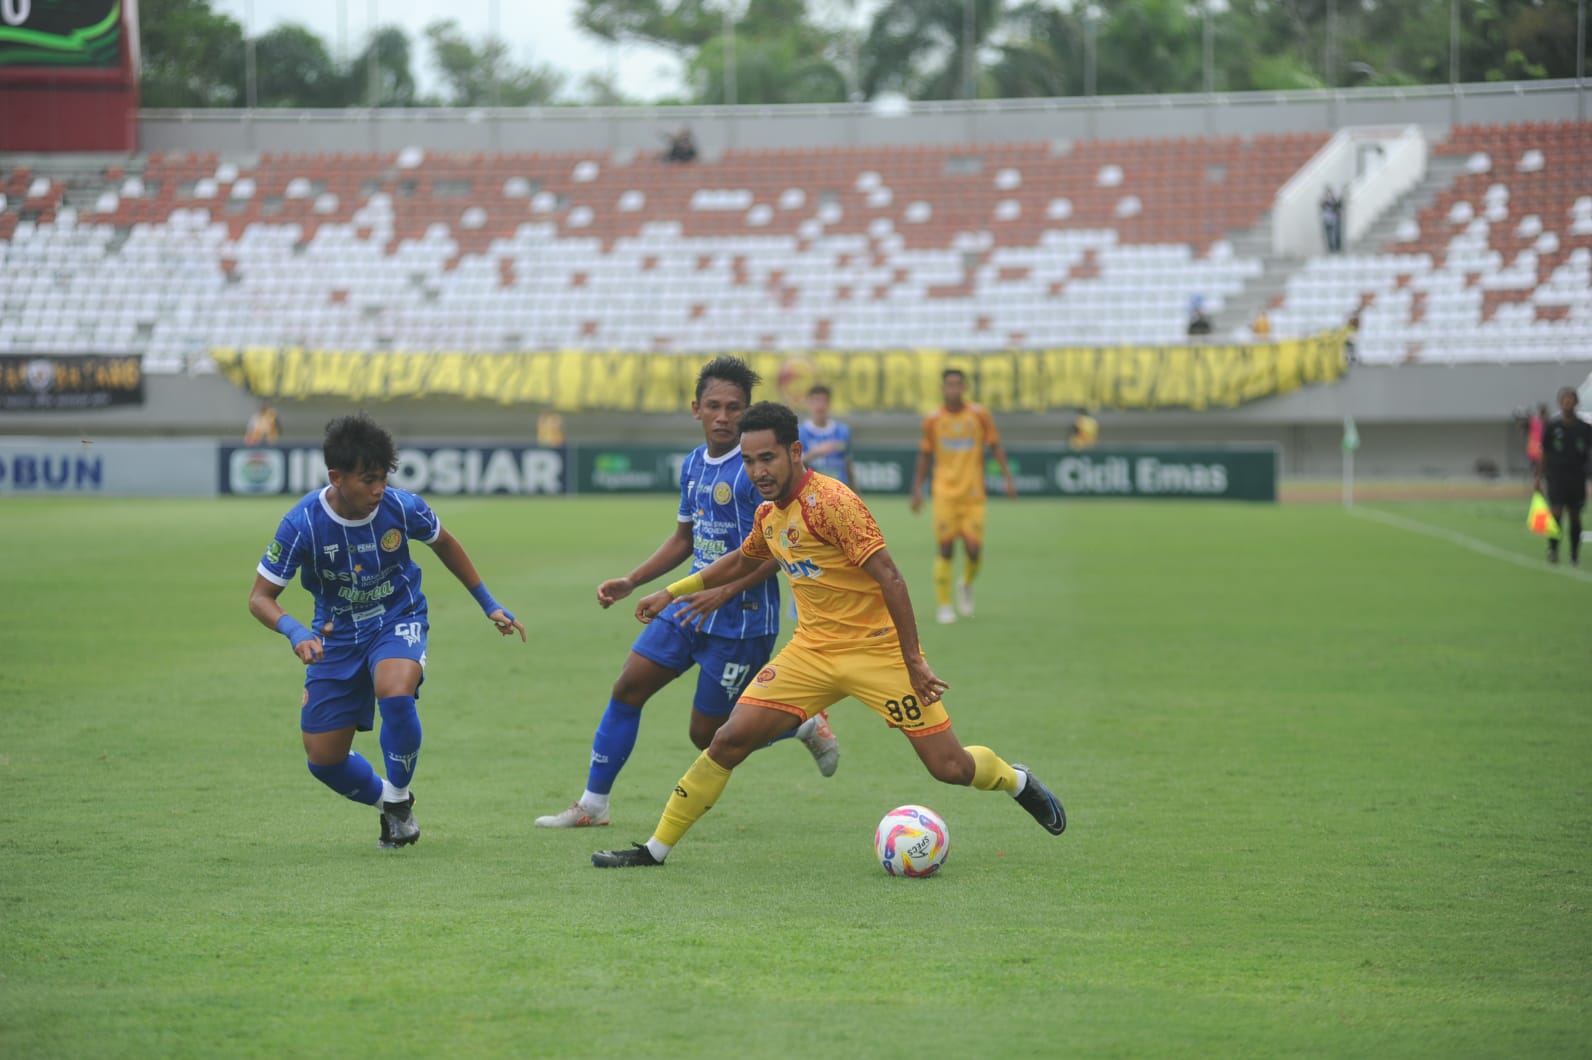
[(916, 503), (652, 605), (310, 651), (698, 606), (924, 682), (506, 623), (612, 591)]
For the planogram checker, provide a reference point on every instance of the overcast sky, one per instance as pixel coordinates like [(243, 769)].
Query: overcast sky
[(537, 31)]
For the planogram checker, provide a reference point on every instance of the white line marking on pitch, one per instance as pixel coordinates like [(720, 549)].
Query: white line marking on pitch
[(1482, 547)]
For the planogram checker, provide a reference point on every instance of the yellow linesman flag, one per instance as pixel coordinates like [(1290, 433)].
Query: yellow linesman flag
[(1539, 519)]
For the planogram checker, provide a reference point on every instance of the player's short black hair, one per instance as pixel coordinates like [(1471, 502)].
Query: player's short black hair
[(358, 443), (732, 370), (819, 388), (771, 416), (1563, 390), (950, 372)]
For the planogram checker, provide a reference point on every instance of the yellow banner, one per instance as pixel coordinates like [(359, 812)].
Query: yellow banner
[(907, 380)]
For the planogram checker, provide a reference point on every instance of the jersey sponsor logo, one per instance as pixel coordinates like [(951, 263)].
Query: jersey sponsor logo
[(804, 568), (391, 540), (707, 549), (365, 596), (365, 546), (273, 552), (370, 612), (721, 493), (768, 532), (765, 675), (411, 632), (331, 552)]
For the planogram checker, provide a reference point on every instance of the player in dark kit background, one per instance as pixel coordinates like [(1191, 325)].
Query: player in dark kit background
[(1566, 452)]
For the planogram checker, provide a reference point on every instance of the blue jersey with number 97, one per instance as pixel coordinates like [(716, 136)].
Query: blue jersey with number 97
[(359, 571)]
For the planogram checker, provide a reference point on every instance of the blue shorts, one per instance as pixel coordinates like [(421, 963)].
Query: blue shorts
[(727, 663), (340, 690)]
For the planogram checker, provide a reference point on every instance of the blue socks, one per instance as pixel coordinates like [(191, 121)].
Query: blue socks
[(400, 738), (611, 746), (352, 778)]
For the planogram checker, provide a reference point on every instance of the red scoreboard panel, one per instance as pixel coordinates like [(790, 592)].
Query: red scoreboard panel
[(68, 75)]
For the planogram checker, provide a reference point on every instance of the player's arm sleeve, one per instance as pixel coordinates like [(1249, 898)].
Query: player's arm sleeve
[(756, 546), (285, 552), (926, 444), (424, 525), (687, 511), (841, 519), (991, 435)]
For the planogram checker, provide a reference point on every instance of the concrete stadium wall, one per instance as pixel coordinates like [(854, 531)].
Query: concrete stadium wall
[(1415, 421), (629, 130)]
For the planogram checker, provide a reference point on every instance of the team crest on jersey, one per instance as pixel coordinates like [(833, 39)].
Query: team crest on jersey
[(391, 540), (721, 493), (792, 535)]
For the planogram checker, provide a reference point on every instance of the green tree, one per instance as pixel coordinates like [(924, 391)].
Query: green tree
[(192, 56), (681, 27), (917, 47), (768, 69), (482, 75), (1151, 46), (294, 69), (383, 75), (1038, 51)]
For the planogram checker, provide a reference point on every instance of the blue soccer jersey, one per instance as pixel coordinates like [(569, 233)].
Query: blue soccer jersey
[(720, 502), (831, 464), (360, 571)]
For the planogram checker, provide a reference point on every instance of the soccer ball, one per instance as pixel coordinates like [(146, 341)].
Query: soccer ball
[(912, 841)]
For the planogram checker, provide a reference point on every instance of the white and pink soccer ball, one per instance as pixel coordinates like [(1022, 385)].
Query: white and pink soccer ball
[(912, 841)]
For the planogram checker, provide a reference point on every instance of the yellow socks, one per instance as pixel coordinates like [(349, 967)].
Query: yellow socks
[(991, 772), (694, 796), (970, 570), (942, 580)]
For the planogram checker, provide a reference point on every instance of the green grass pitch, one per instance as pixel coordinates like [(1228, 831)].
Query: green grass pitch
[(1327, 780)]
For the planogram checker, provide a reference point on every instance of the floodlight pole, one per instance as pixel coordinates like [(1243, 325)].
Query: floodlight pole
[(251, 82), (1580, 60), (969, 59)]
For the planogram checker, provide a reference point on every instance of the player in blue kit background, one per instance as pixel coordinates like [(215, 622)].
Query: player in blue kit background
[(366, 645), (826, 443), (728, 633)]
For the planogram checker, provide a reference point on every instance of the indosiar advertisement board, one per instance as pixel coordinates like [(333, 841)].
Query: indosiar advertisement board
[(440, 470)]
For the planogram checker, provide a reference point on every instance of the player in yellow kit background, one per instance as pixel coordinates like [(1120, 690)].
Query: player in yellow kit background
[(856, 636), (955, 436)]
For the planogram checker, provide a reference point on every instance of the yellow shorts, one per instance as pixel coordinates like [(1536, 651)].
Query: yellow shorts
[(801, 680), (962, 518)]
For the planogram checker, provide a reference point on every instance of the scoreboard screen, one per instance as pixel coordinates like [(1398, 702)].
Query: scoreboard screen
[(60, 33)]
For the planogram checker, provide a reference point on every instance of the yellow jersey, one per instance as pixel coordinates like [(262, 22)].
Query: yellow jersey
[(956, 441), (822, 536)]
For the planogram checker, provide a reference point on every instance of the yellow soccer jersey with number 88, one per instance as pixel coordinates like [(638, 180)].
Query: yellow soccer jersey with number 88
[(821, 537)]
